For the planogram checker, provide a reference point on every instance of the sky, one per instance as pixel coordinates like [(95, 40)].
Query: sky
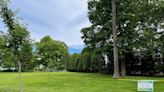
[(61, 19)]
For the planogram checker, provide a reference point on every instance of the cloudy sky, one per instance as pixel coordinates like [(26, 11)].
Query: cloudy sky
[(61, 19)]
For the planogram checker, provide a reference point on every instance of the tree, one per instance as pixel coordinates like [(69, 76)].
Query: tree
[(2, 45), (51, 52), (27, 55), (18, 36), (72, 62), (115, 49), (5, 55), (134, 22)]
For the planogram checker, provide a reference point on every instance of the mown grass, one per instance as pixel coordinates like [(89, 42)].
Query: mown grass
[(72, 82)]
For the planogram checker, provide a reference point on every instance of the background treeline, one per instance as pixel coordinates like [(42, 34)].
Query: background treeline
[(140, 31), (135, 64)]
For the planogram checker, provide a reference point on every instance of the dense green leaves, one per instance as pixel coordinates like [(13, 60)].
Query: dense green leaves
[(51, 52), (139, 30), (17, 42)]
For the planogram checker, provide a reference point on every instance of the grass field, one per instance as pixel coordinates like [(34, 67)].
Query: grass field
[(72, 82)]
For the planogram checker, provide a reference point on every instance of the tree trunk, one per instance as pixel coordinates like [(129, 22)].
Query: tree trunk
[(20, 77), (105, 56), (115, 49), (123, 69)]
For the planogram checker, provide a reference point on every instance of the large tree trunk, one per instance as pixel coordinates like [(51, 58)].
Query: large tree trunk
[(115, 49)]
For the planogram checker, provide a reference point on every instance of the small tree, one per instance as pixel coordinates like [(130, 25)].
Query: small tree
[(18, 36)]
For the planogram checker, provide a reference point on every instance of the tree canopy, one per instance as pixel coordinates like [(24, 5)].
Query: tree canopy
[(51, 52), (139, 29)]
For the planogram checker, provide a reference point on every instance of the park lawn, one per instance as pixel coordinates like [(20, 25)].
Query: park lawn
[(72, 82)]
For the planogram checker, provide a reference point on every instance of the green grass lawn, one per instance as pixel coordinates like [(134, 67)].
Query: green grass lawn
[(72, 82)]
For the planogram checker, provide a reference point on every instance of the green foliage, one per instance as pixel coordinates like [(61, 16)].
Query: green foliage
[(86, 62), (138, 26), (6, 57), (51, 52), (26, 56), (72, 62), (132, 18), (17, 42)]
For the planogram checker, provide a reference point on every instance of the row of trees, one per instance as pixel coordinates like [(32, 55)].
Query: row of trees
[(19, 52), (140, 41), (140, 32)]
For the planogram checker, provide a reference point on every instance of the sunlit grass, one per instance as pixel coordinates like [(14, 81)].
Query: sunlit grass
[(72, 82)]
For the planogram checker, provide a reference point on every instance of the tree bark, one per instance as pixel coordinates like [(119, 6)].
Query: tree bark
[(115, 49)]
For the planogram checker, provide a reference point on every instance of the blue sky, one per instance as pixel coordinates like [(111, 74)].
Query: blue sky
[(61, 19)]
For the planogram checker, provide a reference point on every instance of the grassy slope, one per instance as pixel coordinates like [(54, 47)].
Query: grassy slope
[(71, 82)]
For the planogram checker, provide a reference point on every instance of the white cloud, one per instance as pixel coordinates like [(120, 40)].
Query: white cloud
[(62, 19)]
